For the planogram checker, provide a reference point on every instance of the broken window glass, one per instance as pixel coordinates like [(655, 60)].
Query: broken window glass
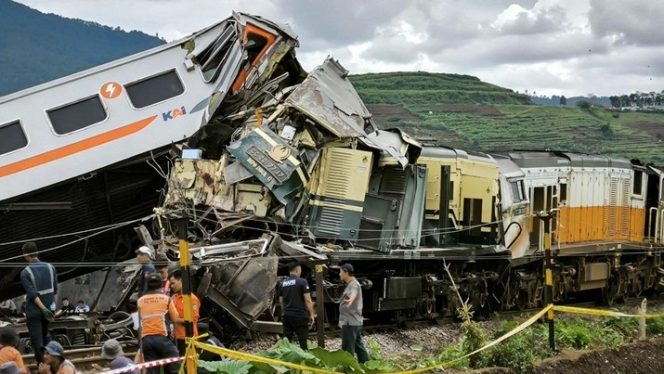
[(78, 115), (212, 58), (12, 137), (154, 89)]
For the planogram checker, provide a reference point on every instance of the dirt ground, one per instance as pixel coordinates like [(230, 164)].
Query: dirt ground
[(652, 129), (639, 357)]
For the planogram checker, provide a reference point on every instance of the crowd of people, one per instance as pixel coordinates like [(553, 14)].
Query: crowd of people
[(160, 314)]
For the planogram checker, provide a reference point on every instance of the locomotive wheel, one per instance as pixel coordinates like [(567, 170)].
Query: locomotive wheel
[(521, 299), (610, 293)]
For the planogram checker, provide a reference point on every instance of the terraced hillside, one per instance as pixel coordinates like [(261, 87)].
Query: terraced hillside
[(462, 111)]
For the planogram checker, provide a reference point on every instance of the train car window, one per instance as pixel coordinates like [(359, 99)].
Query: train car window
[(78, 115), (638, 182), (563, 192), (12, 137), (517, 191), (154, 89)]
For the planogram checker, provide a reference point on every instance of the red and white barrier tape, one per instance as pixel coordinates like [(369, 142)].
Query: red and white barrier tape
[(145, 365)]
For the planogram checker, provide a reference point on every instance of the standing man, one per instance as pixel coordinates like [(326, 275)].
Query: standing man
[(350, 315), (40, 282), (294, 295), (162, 265), (175, 280), (144, 256), (154, 309)]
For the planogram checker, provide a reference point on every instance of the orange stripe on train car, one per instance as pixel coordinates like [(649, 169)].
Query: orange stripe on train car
[(74, 148)]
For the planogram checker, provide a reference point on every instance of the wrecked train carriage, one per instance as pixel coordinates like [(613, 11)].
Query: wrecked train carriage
[(309, 167), (96, 161)]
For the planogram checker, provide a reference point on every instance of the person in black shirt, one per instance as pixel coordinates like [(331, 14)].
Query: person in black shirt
[(65, 309), (295, 300)]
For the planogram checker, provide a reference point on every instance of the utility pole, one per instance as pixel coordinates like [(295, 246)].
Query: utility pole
[(186, 287), (545, 217)]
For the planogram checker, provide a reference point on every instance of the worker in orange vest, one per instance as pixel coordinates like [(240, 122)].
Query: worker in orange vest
[(175, 278), (154, 311)]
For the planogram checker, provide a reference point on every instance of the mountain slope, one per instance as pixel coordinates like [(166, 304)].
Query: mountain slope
[(37, 47), (464, 112)]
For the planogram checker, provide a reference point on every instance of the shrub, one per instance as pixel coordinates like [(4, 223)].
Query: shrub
[(515, 353), (655, 326)]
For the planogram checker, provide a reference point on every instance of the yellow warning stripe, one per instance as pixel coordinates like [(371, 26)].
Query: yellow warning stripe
[(352, 208), (601, 312)]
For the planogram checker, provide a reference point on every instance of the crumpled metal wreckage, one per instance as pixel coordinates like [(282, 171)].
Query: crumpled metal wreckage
[(296, 165)]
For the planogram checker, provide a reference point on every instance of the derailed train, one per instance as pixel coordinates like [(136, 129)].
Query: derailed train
[(271, 164)]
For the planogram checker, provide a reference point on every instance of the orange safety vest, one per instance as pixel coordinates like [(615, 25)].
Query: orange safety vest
[(178, 300), (152, 309)]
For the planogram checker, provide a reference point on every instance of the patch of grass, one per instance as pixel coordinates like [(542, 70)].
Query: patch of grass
[(655, 326)]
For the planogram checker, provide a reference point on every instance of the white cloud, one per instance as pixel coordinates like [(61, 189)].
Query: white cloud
[(557, 46)]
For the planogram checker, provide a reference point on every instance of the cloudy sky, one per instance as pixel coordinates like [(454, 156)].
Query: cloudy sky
[(571, 47)]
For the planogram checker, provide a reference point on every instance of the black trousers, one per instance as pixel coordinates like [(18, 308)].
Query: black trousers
[(351, 341), (298, 326), (38, 331), (155, 347)]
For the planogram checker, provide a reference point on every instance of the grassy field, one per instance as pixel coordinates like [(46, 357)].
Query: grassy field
[(462, 111)]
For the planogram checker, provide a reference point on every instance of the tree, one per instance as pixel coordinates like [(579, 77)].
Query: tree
[(583, 104), (563, 100), (615, 101)]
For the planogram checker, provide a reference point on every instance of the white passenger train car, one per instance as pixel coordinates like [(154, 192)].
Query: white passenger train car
[(86, 121)]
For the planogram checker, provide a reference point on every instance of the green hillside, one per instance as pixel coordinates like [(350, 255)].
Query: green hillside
[(464, 112), (37, 47)]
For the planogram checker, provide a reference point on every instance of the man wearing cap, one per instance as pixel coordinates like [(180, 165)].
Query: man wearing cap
[(350, 314), (294, 295), (144, 256), (54, 360), (154, 309), (175, 280), (112, 351), (40, 282)]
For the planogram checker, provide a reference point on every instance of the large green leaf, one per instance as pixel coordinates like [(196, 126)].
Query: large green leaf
[(225, 367), (340, 361), (378, 366), (289, 352)]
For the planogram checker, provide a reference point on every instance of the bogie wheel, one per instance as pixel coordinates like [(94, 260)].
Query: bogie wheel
[(521, 299), (610, 293)]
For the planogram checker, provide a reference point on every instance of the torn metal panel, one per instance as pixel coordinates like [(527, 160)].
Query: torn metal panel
[(388, 143), (327, 97), (235, 172), (248, 284), (270, 159)]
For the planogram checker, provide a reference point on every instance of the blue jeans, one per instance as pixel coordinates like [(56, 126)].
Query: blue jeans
[(351, 341), (156, 347)]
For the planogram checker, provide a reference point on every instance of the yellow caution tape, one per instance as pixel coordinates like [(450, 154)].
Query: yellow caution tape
[(601, 312), (515, 331), (193, 344), (253, 358)]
